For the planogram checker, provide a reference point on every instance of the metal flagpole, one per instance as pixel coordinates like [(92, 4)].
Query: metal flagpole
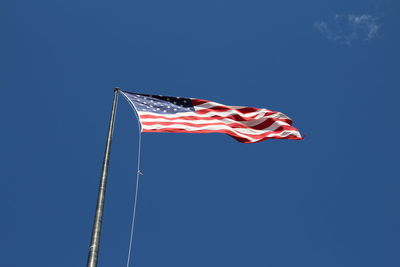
[(95, 240)]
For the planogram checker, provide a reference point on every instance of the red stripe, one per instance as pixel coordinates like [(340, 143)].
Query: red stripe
[(233, 125), (249, 110), (216, 108), (196, 102)]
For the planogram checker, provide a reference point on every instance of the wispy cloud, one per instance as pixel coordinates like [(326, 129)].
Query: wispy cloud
[(345, 29)]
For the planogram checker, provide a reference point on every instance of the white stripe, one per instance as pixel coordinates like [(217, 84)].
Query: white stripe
[(272, 128), (211, 104)]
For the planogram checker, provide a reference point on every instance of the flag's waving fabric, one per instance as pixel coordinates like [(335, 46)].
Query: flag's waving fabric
[(191, 115)]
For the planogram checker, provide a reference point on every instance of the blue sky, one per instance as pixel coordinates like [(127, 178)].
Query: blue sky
[(205, 200)]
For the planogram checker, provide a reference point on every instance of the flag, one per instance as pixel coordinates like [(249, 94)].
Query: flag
[(190, 115)]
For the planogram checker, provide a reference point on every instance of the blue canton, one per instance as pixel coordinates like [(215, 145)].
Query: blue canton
[(160, 104)]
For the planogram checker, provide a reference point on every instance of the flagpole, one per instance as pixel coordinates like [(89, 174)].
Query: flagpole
[(95, 240)]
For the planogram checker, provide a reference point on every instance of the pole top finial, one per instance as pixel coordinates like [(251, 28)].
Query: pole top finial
[(116, 89)]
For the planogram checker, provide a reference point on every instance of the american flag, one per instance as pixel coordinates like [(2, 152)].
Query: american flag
[(191, 115)]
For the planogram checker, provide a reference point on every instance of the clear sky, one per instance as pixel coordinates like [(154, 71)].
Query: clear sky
[(205, 200)]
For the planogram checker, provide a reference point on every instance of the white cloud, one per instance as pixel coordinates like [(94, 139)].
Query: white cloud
[(346, 29)]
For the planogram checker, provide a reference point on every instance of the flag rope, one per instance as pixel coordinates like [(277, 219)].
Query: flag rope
[(138, 173)]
